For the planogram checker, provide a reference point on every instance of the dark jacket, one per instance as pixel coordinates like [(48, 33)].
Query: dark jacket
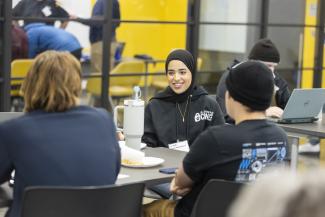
[(281, 96), (34, 8), (96, 30), (163, 123)]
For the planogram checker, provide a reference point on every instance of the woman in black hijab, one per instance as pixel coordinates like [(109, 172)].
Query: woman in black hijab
[(178, 114)]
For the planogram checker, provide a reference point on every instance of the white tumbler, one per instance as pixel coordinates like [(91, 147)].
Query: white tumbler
[(133, 120)]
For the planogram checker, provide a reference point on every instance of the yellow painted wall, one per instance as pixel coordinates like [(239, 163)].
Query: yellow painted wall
[(153, 39), (309, 45)]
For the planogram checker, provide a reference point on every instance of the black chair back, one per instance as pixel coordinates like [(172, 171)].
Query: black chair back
[(104, 201), (215, 198)]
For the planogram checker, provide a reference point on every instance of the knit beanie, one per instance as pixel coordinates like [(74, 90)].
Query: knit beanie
[(265, 50), (251, 83), (183, 56)]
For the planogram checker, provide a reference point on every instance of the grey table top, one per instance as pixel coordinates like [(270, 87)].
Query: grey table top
[(150, 176), (310, 129), (5, 195)]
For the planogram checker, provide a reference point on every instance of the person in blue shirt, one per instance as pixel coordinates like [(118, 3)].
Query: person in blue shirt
[(57, 142), (42, 37)]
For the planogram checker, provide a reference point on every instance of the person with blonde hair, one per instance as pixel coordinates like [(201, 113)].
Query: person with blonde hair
[(57, 142), (283, 194)]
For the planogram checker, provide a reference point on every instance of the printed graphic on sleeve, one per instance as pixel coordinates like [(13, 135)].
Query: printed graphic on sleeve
[(257, 156)]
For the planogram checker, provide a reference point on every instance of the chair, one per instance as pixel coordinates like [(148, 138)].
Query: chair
[(104, 201), (19, 69), (160, 82), (215, 198), (122, 86)]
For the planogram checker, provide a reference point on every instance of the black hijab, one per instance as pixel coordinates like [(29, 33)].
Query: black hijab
[(187, 58)]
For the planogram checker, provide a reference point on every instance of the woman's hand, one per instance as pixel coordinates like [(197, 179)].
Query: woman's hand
[(120, 136)]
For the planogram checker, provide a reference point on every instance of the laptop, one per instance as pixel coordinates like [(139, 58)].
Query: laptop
[(303, 106)]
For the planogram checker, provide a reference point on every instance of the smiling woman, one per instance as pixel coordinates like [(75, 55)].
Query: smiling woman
[(179, 76), (170, 115)]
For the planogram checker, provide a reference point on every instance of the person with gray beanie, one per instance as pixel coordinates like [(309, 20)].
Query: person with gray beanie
[(239, 152), (266, 52)]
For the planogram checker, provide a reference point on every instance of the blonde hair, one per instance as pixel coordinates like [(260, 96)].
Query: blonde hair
[(283, 194), (53, 83)]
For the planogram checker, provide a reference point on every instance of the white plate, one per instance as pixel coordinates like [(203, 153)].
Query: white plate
[(147, 162), (142, 145)]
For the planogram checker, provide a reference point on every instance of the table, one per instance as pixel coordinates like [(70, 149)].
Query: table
[(310, 129), (316, 129), (5, 195), (150, 176)]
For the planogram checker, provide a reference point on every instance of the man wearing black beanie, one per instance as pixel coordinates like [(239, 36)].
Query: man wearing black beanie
[(266, 52), (237, 152)]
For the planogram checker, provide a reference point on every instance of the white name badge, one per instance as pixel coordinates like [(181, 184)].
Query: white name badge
[(47, 11), (180, 146)]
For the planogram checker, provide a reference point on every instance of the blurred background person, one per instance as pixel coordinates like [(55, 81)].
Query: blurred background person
[(43, 37), (40, 9), (19, 43), (283, 194), (266, 52), (57, 142), (96, 34)]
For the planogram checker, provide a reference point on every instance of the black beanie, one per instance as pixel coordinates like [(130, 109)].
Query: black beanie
[(265, 50), (251, 83), (183, 56)]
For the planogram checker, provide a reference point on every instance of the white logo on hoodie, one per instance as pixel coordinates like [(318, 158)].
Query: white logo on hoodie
[(203, 115)]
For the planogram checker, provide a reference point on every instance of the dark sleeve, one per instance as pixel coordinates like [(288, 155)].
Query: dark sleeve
[(18, 9), (149, 135), (221, 91), (116, 12), (218, 118), (112, 131), (6, 165), (59, 12), (283, 94), (202, 155)]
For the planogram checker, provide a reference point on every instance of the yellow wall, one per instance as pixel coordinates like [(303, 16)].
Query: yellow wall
[(309, 45), (153, 39)]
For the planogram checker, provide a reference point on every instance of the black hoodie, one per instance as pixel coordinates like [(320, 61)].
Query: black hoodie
[(163, 122)]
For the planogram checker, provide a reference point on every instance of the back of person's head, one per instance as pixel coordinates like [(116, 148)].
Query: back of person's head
[(283, 195), (53, 83), (264, 50), (251, 83)]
